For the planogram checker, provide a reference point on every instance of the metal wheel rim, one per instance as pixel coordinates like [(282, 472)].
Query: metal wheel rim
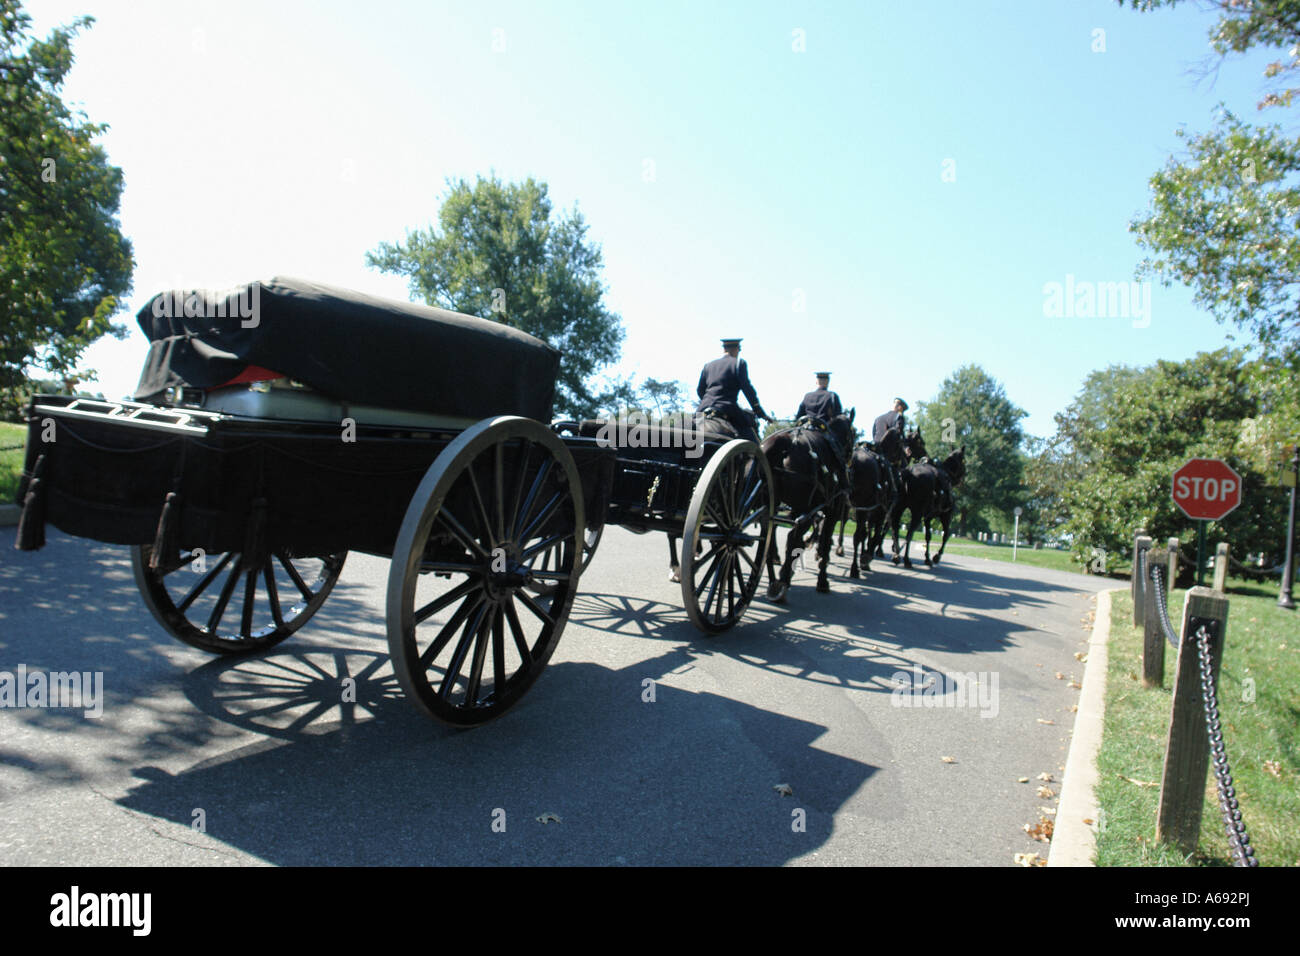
[(489, 618), (734, 499), (244, 593)]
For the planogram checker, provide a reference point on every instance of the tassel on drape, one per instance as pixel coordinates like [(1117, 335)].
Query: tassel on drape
[(31, 525)]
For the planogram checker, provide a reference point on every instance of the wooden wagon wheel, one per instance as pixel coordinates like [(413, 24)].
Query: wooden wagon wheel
[(466, 636), (194, 587), (729, 523)]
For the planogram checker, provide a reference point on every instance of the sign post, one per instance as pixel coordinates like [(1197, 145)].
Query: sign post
[(1206, 489), (1015, 538)]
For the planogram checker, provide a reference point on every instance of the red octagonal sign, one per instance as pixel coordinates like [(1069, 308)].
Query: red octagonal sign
[(1206, 489)]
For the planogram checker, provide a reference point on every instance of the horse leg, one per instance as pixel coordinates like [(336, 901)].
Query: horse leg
[(945, 519), (907, 547), (928, 562), (775, 592), (824, 556), (857, 545), (895, 519), (674, 568)]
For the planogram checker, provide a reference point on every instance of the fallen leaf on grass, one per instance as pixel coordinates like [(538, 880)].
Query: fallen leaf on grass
[(548, 818), (1140, 783), (1046, 792), (1273, 767), (1030, 859), (784, 789)]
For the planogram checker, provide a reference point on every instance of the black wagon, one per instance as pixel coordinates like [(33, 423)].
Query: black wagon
[(282, 424)]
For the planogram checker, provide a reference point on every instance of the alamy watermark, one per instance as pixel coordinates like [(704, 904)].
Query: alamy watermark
[(1074, 299), (75, 690), (244, 303), (919, 688), (637, 430)]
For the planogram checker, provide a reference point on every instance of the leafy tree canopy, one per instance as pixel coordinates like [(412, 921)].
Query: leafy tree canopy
[(498, 252), (972, 409), (64, 263)]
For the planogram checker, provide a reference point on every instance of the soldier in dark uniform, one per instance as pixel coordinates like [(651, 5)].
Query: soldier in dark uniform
[(892, 419), (821, 403), (721, 381)]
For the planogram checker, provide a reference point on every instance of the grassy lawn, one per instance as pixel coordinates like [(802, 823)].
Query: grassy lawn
[(11, 459), (1046, 558), (1263, 645)]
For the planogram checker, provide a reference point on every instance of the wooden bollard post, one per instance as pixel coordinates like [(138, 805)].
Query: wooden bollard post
[(1141, 552), (1153, 636), (1187, 748), (1172, 571), (1221, 567)]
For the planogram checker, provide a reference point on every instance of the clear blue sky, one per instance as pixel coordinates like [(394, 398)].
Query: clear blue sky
[(290, 138)]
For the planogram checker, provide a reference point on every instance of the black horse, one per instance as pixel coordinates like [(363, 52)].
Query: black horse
[(809, 468), (927, 494), (871, 497)]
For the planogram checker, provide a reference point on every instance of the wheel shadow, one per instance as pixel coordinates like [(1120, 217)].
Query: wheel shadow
[(668, 777)]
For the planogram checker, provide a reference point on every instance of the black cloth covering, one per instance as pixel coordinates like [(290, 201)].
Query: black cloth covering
[(358, 348)]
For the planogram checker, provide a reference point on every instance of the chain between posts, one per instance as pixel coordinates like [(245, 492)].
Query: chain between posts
[(1243, 854), (1157, 575)]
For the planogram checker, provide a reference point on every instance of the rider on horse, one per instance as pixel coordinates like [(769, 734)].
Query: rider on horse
[(821, 403), (720, 382), (892, 420)]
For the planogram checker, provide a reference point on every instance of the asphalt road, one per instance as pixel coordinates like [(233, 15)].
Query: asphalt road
[(264, 756)]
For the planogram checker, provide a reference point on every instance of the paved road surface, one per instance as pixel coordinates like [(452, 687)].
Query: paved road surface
[(278, 771)]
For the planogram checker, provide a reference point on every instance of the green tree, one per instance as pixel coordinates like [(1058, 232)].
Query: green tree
[(64, 263), (498, 252), (972, 409), (1114, 459)]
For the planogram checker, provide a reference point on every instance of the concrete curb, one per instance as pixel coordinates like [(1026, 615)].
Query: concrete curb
[(9, 515), (1073, 841)]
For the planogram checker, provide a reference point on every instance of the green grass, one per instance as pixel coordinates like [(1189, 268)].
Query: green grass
[(1263, 645), (11, 459), (1046, 558)]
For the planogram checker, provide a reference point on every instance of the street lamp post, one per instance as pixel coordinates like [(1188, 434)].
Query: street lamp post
[(1284, 598), (1015, 536)]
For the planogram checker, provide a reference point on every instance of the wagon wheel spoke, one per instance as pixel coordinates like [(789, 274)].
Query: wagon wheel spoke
[(227, 589), (517, 632), (250, 596), (446, 600), (449, 629), (467, 636), (202, 586), (486, 522), (535, 608), (453, 524), (272, 595)]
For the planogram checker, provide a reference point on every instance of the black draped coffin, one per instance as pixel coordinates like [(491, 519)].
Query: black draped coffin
[(358, 348)]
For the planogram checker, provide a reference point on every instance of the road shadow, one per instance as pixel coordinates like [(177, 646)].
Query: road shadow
[(685, 778)]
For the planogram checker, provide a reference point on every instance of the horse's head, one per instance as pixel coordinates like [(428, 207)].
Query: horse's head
[(841, 429), (955, 465), (914, 445)]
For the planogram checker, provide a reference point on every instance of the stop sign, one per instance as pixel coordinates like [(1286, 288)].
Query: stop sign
[(1206, 489)]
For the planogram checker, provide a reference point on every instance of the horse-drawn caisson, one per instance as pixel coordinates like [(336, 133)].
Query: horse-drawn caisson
[(264, 443)]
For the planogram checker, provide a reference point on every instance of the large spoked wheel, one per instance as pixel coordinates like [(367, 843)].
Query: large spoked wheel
[(727, 533), (467, 637), (227, 604)]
